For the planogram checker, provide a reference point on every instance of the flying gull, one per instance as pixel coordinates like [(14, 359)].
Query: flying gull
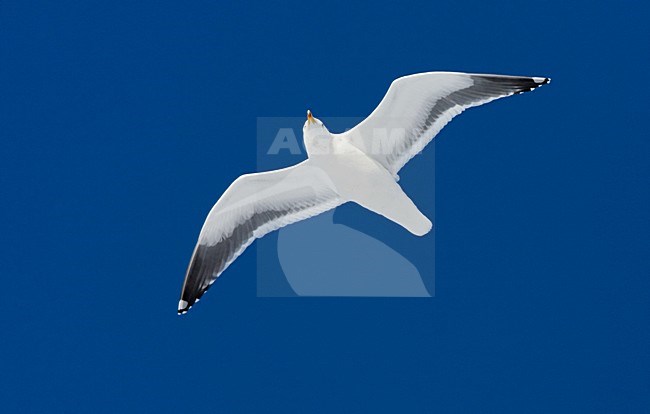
[(359, 165)]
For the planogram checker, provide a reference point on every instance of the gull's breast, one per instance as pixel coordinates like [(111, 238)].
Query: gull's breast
[(352, 172)]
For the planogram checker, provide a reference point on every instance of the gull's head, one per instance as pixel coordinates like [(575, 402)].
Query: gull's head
[(312, 123), (318, 139)]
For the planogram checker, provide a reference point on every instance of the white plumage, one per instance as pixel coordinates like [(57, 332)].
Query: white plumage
[(360, 165)]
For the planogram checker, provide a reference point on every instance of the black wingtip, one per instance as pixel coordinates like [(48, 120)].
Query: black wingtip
[(530, 84), (183, 307)]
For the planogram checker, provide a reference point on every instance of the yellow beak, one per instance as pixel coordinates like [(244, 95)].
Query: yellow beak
[(310, 118)]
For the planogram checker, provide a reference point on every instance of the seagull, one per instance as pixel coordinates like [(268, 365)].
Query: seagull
[(360, 165)]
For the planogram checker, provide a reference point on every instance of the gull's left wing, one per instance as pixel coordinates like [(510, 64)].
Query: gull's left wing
[(417, 107), (253, 205)]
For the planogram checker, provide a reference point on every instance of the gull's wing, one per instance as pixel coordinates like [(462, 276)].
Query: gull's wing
[(417, 107), (254, 205)]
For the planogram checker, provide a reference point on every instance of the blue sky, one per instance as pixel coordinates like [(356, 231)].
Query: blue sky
[(121, 124)]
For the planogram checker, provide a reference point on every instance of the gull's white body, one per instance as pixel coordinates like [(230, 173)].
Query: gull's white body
[(359, 178), (359, 166)]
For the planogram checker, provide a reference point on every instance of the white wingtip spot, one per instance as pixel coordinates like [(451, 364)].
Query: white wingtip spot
[(182, 304)]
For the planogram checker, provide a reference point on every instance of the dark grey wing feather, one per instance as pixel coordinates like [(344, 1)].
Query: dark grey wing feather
[(253, 206), (417, 107)]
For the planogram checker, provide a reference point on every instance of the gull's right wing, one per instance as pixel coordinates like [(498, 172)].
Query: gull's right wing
[(253, 205)]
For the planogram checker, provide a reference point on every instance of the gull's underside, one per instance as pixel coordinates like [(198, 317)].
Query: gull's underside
[(255, 204)]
